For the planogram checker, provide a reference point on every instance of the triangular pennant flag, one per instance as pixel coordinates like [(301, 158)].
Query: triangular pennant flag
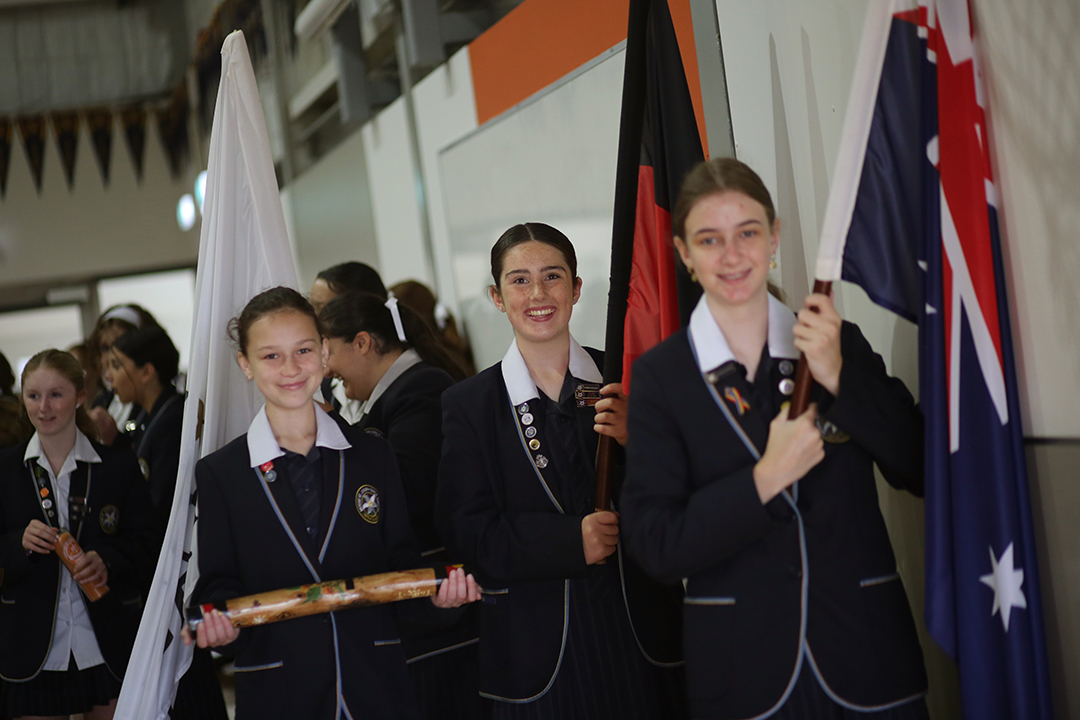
[(66, 128), (99, 121), (5, 153), (133, 120), (173, 130), (32, 129)]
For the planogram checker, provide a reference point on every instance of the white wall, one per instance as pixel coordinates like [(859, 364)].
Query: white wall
[(329, 212)]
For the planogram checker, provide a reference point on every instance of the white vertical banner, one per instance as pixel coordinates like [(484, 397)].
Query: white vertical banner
[(243, 250)]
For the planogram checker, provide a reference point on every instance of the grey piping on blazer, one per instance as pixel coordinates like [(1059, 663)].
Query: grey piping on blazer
[(525, 448), (380, 643), (432, 551), (254, 668), (337, 504), (630, 617), (284, 524), (870, 582), (850, 705), (708, 601), (558, 665), (498, 591), (342, 707), (433, 653), (89, 480)]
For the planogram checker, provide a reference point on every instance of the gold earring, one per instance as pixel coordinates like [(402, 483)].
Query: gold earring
[(693, 275), (772, 263)]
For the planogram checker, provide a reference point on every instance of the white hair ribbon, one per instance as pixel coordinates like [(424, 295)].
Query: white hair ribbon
[(392, 304), (442, 315), (125, 313)]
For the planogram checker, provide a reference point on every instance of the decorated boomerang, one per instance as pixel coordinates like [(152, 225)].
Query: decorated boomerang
[(331, 596)]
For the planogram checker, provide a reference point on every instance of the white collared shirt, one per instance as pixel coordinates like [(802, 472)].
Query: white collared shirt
[(120, 412), (263, 446), (403, 362), (352, 411), (73, 634), (712, 347), (520, 384)]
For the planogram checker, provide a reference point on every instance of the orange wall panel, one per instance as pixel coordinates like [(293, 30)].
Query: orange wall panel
[(540, 41)]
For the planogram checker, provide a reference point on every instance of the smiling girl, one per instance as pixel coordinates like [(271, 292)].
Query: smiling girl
[(572, 630), (794, 606), (63, 654), (298, 500)]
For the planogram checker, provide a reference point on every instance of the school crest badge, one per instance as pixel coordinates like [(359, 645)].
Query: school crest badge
[(367, 503), (109, 518)]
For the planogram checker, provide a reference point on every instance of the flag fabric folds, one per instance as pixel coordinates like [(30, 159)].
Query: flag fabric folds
[(651, 294), (912, 218), (243, 249)]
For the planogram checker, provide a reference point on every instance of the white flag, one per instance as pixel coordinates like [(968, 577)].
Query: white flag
[(243, 250)]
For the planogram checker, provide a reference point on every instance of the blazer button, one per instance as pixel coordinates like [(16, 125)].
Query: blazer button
[(795, 571)]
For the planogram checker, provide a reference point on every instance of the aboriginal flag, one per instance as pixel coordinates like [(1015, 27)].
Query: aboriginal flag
[(651, 294), (912, 218)]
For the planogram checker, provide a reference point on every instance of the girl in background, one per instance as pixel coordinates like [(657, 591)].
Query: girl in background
[(389, 359), (63, 654)]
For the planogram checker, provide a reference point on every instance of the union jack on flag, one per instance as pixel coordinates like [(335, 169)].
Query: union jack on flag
[(912, 218)]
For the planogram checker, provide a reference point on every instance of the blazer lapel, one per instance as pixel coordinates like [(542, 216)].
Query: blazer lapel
[(289, 512), (332, 483)]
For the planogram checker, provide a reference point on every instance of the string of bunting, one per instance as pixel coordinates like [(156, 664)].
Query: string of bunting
[(172, 114)]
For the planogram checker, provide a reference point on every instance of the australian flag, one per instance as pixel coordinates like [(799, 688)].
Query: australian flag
[(912, 218)]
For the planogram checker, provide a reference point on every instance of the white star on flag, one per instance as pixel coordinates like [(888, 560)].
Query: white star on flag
[(1005, 582)]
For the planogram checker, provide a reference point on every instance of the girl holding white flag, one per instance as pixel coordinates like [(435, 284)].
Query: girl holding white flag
[(794, 607), (299, 500)]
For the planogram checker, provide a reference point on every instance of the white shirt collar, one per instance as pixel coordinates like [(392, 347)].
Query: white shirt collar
[(712, 347), (404, 361), (263, 446), (82, 452), (519, 383)]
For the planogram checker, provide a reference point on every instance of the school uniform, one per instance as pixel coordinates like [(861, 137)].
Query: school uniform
[(556, 636), (155, 437), (405, 407), (798, 600), (256, 536), (99, 495)]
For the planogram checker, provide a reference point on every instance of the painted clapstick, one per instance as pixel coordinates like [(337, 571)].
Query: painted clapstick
[(70, 553), (330, 596)]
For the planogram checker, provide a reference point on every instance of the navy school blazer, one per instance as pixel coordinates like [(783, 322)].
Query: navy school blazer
[(497, 516), (805, 583), (119, 526), (252, 540)]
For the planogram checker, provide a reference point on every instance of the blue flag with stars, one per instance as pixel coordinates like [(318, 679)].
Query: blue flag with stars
[(914, 222)]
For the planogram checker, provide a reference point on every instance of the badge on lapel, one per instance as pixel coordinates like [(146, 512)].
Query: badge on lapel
[(733, 396), (367, 503), (109, 519)]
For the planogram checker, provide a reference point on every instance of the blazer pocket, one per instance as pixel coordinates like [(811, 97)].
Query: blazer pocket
[(879, 580), (709, 643), (256, 668), (6, 601)]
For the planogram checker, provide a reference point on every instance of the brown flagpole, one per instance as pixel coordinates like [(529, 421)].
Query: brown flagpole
[(800, 397)]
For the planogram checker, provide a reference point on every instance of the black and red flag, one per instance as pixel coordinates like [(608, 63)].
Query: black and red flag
[(651, 294)]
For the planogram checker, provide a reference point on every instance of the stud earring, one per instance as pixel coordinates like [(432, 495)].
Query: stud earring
[(772, 263)]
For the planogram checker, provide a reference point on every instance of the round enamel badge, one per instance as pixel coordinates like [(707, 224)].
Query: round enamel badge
[(367, 503), (109, 517)]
